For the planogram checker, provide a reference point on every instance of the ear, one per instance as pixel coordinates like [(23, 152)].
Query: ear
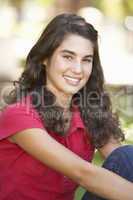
[(45, 62)]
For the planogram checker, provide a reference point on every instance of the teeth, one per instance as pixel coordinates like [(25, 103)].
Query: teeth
[(71, 79)]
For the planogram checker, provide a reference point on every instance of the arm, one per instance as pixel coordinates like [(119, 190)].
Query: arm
[(40, 145)]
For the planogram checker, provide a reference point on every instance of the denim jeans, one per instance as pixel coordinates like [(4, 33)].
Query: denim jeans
[(120, 161)]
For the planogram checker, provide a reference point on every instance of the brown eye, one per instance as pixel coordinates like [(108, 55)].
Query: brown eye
[(68, 57), (87, 60)]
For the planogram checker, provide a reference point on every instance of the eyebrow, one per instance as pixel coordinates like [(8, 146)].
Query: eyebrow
[(73, 53)]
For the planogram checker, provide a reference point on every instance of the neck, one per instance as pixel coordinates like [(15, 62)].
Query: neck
[(63, 100)]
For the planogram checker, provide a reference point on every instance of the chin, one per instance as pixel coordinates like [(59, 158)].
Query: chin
[(71, 91)]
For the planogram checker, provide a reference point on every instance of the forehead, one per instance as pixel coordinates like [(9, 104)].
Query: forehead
[(77, 44)]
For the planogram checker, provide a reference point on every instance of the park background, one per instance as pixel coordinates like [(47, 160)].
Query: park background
[(22, 21)]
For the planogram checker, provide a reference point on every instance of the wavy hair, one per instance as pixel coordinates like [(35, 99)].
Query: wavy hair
[(92, 100)]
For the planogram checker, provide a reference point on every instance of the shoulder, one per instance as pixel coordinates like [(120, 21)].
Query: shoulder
[(21, 109), (17, 117)]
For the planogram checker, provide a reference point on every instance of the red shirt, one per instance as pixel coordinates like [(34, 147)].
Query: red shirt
[(24, 178)]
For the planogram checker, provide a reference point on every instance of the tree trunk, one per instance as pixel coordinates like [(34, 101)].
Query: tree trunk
[(70, 5)]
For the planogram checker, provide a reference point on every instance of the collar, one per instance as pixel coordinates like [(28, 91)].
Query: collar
[(76, 122)]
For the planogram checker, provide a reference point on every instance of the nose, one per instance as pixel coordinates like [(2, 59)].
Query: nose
[(77, 68)]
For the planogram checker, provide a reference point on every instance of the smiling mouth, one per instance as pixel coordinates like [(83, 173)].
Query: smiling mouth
[(72, 81)]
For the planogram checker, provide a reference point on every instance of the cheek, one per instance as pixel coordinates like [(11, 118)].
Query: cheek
[(59, 66), (87, 72)]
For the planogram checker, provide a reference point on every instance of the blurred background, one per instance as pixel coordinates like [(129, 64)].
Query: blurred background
[(22, 21)]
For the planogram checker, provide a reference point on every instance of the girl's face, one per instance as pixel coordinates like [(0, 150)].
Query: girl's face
[(70, 66)]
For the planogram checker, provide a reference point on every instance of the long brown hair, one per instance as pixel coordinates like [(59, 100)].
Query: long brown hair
[(93, 101)]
